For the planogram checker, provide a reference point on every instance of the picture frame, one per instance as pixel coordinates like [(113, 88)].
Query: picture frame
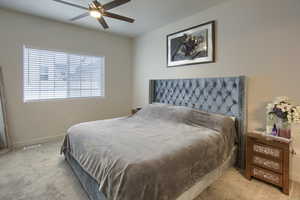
[(195, 45)]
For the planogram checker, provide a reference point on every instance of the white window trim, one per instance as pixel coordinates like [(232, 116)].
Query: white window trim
[(61, 99)]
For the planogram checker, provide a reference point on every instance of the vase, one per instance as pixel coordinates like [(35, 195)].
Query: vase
[(284, 129), (270, 122)]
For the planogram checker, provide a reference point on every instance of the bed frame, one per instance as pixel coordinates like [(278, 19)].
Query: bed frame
[(225, 95), (217, 95)]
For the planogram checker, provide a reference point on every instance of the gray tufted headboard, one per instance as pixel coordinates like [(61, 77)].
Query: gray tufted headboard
[(225, 96)]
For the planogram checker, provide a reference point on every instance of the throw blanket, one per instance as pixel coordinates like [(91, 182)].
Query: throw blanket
[(156, 154)]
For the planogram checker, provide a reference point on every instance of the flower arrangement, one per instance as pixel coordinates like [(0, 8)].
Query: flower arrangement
[(281, 113), (283, 109)]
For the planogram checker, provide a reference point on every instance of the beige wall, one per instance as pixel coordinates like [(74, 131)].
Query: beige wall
[(40, 121), (256, 38)]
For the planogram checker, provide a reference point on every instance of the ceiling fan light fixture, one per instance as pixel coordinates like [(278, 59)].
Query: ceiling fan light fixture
[(95, 14), (96, 10)]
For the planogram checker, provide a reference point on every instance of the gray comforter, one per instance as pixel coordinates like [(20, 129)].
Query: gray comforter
[(156, 154)]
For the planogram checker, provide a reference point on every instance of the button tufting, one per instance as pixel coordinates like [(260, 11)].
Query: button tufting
[(213, 95)]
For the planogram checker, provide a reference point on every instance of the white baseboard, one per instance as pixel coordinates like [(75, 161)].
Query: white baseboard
[(22, 144)]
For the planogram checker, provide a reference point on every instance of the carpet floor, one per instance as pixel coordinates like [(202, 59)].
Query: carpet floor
[(41, 174)]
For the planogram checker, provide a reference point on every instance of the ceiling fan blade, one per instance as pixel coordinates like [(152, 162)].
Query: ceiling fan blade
[(71, 4), (80, 16), (96, 4), (114, 4), (103, 23), (119, 17)]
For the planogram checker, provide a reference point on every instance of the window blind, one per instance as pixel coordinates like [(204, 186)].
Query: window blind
[(58, 75)]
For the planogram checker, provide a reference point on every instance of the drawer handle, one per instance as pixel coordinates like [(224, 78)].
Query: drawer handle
[(266, 150), (265, 175), (266, 162)]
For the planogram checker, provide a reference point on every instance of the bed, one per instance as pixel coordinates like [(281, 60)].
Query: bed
[(173, 148)]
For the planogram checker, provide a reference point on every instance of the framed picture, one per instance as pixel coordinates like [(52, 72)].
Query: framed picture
[(192, 46)]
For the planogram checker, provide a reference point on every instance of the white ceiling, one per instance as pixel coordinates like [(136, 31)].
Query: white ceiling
[(149, 14)]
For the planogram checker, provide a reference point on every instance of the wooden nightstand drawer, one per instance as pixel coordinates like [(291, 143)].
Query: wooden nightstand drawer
[(267, 158), (275, 166), (267, 151), (267, 176)]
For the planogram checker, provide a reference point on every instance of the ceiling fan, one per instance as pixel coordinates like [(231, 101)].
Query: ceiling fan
[(99, 11)]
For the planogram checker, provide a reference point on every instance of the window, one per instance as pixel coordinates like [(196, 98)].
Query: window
[(59, 75)]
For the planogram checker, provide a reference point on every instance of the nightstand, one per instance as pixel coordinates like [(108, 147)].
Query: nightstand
[(135, 110), (267, 159)]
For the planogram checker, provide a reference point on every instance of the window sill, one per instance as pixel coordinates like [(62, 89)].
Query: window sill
[(64, 99)]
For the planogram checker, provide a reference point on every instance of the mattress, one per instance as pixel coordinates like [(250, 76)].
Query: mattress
[(157, 154)]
